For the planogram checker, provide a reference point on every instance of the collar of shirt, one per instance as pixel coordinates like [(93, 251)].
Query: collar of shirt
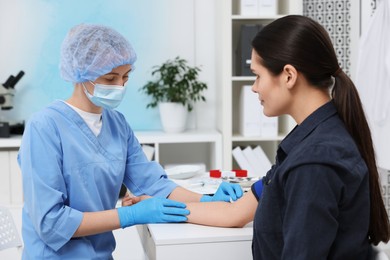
[(301, 131)]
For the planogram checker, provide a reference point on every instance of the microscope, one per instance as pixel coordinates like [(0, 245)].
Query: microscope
[(7, 92)]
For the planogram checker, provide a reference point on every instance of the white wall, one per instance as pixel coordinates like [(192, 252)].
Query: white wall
[(31, 33), (205, 49)]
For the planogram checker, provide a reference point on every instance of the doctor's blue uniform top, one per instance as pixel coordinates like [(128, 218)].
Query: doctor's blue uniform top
[(314, 203), (67, 170)]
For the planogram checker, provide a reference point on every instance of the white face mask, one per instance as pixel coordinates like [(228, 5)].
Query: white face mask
[(107, 96)]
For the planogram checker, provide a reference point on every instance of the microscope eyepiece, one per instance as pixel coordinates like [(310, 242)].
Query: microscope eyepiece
[(11, 81)]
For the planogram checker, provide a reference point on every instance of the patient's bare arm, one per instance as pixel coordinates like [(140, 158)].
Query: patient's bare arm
[(223, 214)]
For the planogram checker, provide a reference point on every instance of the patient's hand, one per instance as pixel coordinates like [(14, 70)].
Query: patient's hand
[(129, 200)]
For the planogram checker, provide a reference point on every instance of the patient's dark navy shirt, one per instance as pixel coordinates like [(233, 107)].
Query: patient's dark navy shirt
[(315, 199)]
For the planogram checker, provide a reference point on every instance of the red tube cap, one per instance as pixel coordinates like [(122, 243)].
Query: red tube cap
[(215, 173), (241, 173)]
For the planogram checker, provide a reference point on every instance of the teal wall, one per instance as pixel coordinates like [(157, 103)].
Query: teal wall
[(31, 33)]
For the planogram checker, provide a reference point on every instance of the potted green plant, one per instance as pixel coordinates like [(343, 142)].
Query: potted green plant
[(174, 90)]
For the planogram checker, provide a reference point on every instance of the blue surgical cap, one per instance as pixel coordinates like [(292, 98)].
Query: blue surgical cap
[(90, 51)]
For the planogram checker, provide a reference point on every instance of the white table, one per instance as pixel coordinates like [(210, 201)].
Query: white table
[(193, 242)]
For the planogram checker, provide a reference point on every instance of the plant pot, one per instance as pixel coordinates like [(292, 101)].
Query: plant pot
[(173, 117)]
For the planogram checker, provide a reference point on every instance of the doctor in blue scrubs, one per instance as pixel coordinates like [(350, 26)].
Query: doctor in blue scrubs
[(75, 155)]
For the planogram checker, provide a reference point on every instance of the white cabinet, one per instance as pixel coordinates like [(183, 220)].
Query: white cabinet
[(232, 81), (5, 197), (10, 175), (192, 242)]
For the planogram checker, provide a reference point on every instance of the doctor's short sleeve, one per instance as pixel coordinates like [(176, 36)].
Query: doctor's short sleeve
[(143, 176)]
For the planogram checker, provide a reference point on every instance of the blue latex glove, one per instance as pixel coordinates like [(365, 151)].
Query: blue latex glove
[(226, 192), (153, 210)]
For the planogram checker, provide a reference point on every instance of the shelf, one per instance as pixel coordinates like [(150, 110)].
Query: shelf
[(206, 145), (233, 84), (189, 147), (240, 138), (192, 136), (243, 78), (263, 17), (11, 142)]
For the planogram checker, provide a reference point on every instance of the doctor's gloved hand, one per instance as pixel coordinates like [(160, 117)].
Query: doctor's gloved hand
[(153, 210), (226, 192)]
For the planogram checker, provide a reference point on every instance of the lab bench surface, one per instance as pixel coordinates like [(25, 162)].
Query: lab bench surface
[(190, 242)]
